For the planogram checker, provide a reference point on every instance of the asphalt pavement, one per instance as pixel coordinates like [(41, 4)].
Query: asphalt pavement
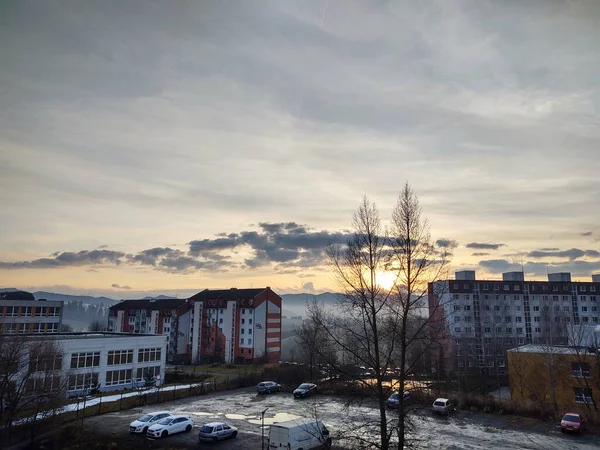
[(242, 408)]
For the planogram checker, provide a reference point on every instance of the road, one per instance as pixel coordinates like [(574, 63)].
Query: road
[(242, 408)]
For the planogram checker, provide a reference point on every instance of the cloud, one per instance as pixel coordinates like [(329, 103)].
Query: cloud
[(587, 233), (484, 246), (116, 286), (480, 254), (69, 259), (576, 268), (548, 249), (446, 243), (308, 287), (572, 254)]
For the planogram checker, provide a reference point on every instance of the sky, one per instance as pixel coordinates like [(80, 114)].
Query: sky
[(174, 146)]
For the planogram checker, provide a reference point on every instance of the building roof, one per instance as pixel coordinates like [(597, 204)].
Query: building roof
[(227, 294), (16, 295), (163, 303), (83, 335), (552, 349)]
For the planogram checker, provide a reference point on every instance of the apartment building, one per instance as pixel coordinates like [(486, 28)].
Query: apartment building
[(82, 361), (21, 313), (476, 321), (569, 374), (236, 325), (228, 325), (170, 317)]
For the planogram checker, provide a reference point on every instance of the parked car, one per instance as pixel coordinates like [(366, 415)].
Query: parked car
[(305, 390), (572, 422), (266, 387), (142, 424), (443, 406), (170, 425), (393, 400), (216, 431), (305, 434)]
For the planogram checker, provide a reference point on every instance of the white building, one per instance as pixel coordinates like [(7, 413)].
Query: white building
[(115, 361), (21, 313)]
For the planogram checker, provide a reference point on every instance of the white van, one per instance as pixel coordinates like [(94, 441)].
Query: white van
[(299, 434)]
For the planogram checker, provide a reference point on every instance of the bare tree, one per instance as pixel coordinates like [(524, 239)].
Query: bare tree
[(96, 325), (380, 328)]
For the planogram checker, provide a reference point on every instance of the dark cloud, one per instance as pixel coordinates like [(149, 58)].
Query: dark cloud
[(548, 249), (480, 254), (152, 256), (484, 246), (117, 286), (446, 243), (578, 268), (69, 259), (103, 247), (587, 233), (572, 254)]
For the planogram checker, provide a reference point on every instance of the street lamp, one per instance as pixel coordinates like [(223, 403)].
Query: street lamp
[(262, 420)]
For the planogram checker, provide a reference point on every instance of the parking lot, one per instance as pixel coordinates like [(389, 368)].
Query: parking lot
[(242, 409)]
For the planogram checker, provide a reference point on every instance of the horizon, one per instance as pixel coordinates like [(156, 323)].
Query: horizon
[(156, 148)]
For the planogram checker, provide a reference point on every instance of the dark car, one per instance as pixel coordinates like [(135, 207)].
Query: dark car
[(572, 422), (305, 390), (393, 400)]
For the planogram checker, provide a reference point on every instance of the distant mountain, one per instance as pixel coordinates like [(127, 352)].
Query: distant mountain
[(329, 298), (84, 299), (160, 297)]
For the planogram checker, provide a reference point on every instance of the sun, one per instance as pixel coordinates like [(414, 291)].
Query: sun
[(386, 280)]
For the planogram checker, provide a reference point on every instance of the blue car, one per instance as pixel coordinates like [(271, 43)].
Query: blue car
[(393, 400)]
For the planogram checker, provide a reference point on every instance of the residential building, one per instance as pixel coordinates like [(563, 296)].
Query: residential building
[(21, 313), (236, 325), (81, 361), (480, 319), (228, 325), (567, 376), (169, 317)]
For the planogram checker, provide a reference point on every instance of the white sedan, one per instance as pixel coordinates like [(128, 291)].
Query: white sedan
[(142, 424), (216, 431), (170, 425)]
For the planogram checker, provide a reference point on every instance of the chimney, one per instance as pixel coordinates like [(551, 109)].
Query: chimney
[(561, 277), (513, 276), (465, 275)]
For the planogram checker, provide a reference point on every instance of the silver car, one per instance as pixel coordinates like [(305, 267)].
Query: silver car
[(266, 387), (216, 431)]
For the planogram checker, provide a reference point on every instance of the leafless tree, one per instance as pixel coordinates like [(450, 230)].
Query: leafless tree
[(382, 329), (96, 325)]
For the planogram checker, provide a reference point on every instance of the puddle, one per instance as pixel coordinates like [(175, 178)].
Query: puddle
[(236, 416), (203, 414), (279, 417)]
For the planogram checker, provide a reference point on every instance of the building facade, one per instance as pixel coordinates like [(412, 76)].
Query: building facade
[(566, 375), (21, 313), (168, 317), (225, 325), (79, 362), (478, 320), (236, 325)]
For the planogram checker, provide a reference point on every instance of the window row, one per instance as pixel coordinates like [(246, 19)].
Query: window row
[(85, 359), (146, 373), (32, 311), (82, 381), (11, 328), (148, 354), (116, 357), (118, 377)]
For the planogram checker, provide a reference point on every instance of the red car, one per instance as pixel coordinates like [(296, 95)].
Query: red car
[(572, 422)]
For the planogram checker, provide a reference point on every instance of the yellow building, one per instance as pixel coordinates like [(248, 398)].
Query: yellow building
[(561, 376)]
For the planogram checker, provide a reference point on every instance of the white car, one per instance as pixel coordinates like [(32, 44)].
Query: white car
[(216, 431), (443, 406), (170, 425), (142, 424)]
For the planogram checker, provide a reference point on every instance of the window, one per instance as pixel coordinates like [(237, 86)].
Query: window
[(455, 286), (536, 318), (457, 330), (520, 341), (485, 287), (538, 330), (249, 341), (144, 373), (249, 321), (221, 321), (518, 308), (517, 287), (583, 288), (583, 395), (456, 307), (508, 319), (456, 319), (555, 298), (46, 363), (506, 287), (118, 377), (585, 319), (81, 381), (467, 307), (466, 286), (487, 319), (82, 360), (584, 309), (467, 318), (536, 308), (520, 330), (243, 311), (487, 307), (467, 297), (583, 298), (557, 309), (26, 311), (496, 307), (507, 308), (249, 330), (580, 369), (518, 319), (243, 321), (508, 329), (242, 341), (455, 296), (467, 329), (593, 298), (148, 354), (565, 298), (566, 309), (488, 329), (242, 332), (116, 357), (488, 340)]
